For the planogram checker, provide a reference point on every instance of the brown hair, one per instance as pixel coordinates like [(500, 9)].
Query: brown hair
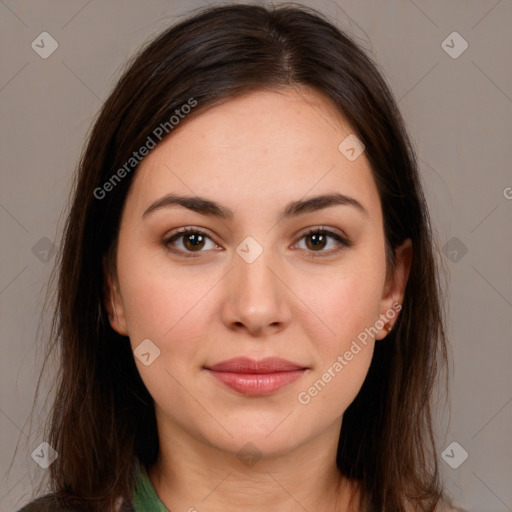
[(103, 418)]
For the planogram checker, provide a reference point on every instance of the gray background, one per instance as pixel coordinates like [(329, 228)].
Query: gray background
[(459, 114)]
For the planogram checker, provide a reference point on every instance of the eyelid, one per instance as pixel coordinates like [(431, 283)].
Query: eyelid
[(324, 229)]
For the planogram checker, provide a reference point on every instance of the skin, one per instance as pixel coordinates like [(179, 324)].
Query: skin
[(254, 155)]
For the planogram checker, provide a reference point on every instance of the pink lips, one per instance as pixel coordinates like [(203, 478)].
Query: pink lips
[(256, 378)]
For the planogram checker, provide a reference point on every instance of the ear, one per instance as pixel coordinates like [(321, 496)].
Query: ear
[(394, 289), (113, 301)]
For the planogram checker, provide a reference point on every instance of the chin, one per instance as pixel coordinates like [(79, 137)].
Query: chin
[(258, 440)]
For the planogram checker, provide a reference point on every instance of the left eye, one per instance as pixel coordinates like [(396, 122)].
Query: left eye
[(319, 237), (193, 240)]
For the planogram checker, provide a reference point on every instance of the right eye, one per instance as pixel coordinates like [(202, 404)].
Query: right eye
[(191, 239)]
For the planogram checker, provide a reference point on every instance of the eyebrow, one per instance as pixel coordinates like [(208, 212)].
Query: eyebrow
[(209, 207)]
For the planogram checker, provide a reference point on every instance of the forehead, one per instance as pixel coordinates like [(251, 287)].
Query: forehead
[(265, 145)]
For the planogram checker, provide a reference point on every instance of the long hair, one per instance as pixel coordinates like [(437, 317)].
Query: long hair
[(103, 420)]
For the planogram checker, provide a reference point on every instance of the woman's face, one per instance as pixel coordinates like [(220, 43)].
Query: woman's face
[(247, 280)]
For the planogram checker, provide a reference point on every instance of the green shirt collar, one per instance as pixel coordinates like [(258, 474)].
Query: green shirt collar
[(145, 498)]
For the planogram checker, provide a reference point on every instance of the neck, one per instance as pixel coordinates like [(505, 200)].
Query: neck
[(193, 475)]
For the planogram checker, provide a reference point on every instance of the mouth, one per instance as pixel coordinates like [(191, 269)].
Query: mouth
[(256, 378)]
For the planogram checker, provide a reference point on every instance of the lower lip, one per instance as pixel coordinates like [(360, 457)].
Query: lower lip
[(257, 384)]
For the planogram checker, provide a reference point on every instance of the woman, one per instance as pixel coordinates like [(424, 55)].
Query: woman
[(248, 310)]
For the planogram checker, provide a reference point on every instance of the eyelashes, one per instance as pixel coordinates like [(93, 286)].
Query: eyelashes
[(197, 237), (323, 232)]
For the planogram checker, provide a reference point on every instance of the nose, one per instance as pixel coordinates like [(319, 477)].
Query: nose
[(256, 296)]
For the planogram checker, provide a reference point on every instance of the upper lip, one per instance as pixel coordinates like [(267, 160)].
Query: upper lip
[(247, 365)]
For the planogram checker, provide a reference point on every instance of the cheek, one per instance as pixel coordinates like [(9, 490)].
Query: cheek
[(167, 311), (159, 301), (346, 305), (343, 358)]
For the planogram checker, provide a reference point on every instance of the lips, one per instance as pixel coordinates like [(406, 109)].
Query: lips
[(256, 378), (246, 365)]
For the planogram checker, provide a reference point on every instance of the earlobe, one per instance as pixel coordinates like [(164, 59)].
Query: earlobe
[(113, 303)]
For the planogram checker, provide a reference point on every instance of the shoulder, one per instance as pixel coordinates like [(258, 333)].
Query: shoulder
[(50, 503)]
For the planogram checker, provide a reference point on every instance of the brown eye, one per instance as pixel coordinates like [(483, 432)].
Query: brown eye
[(193, 241), (318, 241), (318, 238)]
